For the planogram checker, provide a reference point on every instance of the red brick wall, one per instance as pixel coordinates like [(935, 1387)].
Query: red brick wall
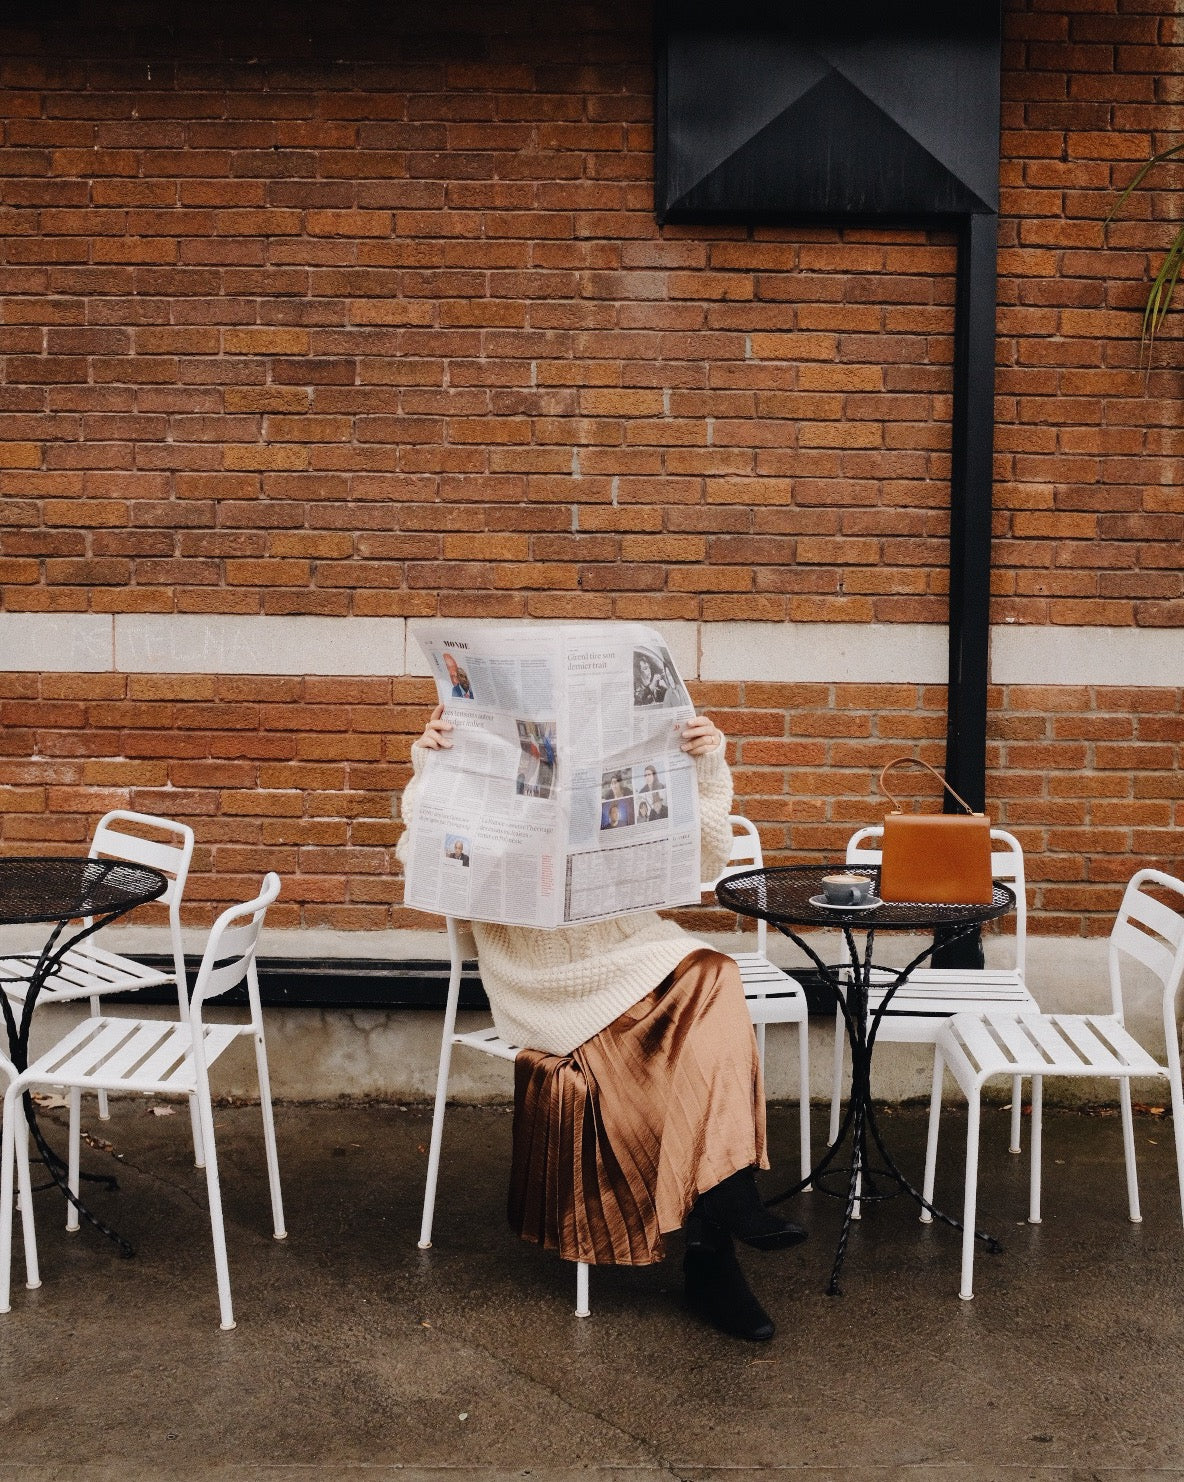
[(395, 337), (298, 775), (1090, 454), (304, 314)]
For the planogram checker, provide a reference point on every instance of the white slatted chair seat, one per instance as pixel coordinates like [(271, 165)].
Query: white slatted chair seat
[(161, 1056), (489, 1042), (772, 996), (131, 1055), (935, 996), (978, 1046), (84, 972)]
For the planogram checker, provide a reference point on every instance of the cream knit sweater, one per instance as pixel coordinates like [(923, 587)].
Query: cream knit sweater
[(552, 990)]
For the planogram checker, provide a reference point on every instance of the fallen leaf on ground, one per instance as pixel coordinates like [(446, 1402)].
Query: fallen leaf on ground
[(162, 1111), (51, 1102)]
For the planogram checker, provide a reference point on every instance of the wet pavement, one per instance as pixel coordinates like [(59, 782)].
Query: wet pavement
[(358, 1356)]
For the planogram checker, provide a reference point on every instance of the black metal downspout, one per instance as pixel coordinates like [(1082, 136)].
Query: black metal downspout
[(971, 480)]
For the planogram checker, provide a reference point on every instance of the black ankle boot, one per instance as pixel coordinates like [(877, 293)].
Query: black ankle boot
[(735, 1205), (718, 1293)]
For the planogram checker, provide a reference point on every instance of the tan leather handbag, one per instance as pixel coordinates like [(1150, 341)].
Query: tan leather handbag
[(936, 858)]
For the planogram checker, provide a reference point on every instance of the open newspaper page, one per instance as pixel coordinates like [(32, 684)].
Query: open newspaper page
[(565, 796), (633, 796), (486, 840)]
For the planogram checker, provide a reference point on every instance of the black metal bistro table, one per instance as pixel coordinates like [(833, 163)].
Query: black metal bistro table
[(791, 896), (93, 893)]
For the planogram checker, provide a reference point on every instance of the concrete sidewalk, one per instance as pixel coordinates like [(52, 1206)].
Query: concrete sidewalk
[(359, 1356)]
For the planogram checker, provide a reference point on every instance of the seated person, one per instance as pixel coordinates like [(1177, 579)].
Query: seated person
[(640, 1044)]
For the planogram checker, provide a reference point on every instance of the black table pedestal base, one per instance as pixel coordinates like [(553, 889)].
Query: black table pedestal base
[(859, 1127)]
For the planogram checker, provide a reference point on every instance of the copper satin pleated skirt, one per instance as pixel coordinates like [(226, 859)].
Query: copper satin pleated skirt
[(614, 1142)]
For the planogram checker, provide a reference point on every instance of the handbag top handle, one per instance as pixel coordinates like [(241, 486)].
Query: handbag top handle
[(915, 761)]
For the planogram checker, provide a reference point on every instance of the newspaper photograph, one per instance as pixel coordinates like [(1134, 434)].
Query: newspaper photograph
[(566, 796)]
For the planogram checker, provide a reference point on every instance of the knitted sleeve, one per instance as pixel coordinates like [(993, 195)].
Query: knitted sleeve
[(715, 804), (407, 802)]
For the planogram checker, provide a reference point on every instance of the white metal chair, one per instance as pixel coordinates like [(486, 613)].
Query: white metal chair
[(8, 1072), (90, 970), (461, 946), (932, 995), (169, 1056), (976, 1047), (772, 996)]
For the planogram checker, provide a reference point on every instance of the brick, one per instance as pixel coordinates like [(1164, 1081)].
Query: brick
[(423, 350)]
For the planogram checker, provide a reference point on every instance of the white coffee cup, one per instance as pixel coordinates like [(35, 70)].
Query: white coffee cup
[(846, 890)]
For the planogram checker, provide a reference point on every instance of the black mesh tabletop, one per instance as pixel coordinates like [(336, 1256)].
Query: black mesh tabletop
[(782, 895), (37, 888)]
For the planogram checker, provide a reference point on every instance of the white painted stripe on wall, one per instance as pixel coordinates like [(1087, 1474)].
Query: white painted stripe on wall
[(1148, 658), (186, 643), (64, 642), (816, 653), (824, 653)]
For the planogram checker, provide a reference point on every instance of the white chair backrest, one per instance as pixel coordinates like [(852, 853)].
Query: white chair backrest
[(230, 951), (1007, 864), (746, 854), (170, 858), (1153, 934)]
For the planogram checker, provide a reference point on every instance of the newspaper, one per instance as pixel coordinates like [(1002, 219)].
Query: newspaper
[(565, 796)]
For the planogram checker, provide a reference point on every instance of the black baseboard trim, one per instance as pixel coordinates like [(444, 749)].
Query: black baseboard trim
[(372, 983), (336, 983)]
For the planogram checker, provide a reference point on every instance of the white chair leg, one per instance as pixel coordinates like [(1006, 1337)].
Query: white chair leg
[(1128, 1149), (25, 1185), (1177, 1123), (273, 1162), (582, 1307), (199, 1154), (970, 1200), (939, 1065), (74, 1155), (14, 1150), (1037, 1153), (1017, 1112), (760, 1046), (217, 1227), (7, 1159), (804, 1096), (96, 1008), (437, 1138), (836, 1089)]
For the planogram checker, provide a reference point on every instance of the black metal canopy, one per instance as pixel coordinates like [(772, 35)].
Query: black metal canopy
[(867, 110)]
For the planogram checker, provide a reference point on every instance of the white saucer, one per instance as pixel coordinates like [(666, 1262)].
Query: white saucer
[(868, 905)]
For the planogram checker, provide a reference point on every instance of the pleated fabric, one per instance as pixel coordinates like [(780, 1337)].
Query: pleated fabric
[(614, 1142)]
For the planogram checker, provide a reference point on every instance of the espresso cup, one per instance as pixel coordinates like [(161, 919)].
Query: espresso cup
[(846, 890)]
